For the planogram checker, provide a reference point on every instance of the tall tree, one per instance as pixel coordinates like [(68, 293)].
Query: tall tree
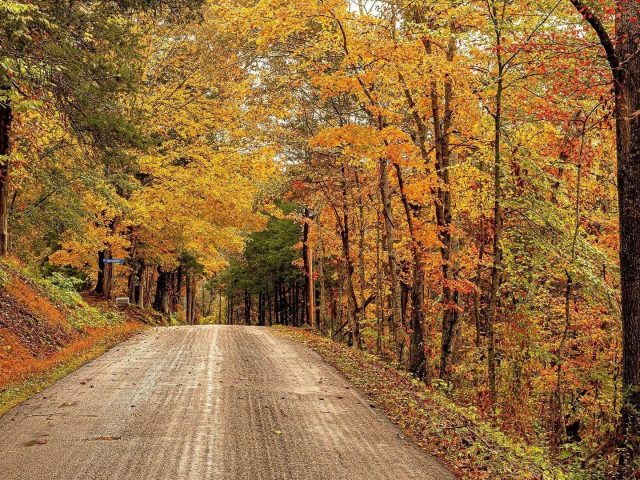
[(621, 53)]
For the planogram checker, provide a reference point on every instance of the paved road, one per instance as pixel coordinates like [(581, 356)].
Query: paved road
[(211, 402)]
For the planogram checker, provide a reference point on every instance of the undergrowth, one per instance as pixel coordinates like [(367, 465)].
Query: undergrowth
[(472, 447), (62, 292)]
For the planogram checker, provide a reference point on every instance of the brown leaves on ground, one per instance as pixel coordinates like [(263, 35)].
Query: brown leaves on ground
[(470, 447)]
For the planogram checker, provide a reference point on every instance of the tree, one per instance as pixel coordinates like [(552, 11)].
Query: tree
[(625, 68)]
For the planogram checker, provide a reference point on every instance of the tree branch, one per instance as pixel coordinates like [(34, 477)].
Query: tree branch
[(603, 35)]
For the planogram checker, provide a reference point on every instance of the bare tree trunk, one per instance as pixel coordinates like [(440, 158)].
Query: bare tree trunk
[(380, 291), (6, 118), (628, 149), (190, 298), (261, 313), (176, 278), (496, 268), (323, 287), (161, 302), (104, 284), (149, 278), (99, 289), (348, 268), (307, 256), (361, 247), (394, 266), (417, 359), (136, 280)]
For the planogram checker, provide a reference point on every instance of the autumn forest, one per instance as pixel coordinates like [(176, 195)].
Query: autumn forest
[(451, 187)]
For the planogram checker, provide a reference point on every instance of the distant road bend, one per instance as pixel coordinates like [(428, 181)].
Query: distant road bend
[(209, 402)]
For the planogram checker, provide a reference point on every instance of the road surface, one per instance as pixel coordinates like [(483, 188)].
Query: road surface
[(210, 402)]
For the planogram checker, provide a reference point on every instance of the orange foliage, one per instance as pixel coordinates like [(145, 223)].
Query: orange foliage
[(38, 304), (17, 364)]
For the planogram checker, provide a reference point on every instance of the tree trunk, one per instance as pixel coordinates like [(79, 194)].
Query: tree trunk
[(379, 292), (619, 53), (108, 276), (161, 301), (6, 117), (177, 278), (276, 302), (496, 268), (247, 307), (307, 255), (342, 220), (99, 289), (190, 298), (322, 311), (361, 248), (442, 112), (394, 266), (104, 284), (417, 360), (261, 314), (628, 153), (149, 279), (442, 120), (136, 281), (285, 304)]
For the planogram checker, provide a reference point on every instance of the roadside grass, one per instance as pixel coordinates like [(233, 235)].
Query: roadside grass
[(46, 371), (471, 447)]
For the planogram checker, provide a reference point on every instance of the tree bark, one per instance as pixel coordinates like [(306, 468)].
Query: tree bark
[(307, 254), (247, 307), (161, 301), (6, 118), (99, 289), (496, 268), (342, 221), (628, 153), (322, 310), (625, 66), (394, 266), (417, 359), (361, 248), (104, 284), (379, 291), (190, 298), (261, 313)]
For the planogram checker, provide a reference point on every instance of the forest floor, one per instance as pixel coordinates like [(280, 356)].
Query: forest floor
[(226, 402), (471, 447)]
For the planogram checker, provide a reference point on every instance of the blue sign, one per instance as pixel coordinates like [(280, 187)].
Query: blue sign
[(118, 261)]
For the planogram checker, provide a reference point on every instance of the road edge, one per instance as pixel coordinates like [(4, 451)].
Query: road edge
[(454, 435), (14, 394)]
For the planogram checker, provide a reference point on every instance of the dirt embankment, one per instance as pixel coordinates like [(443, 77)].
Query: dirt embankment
[(38, 335)]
